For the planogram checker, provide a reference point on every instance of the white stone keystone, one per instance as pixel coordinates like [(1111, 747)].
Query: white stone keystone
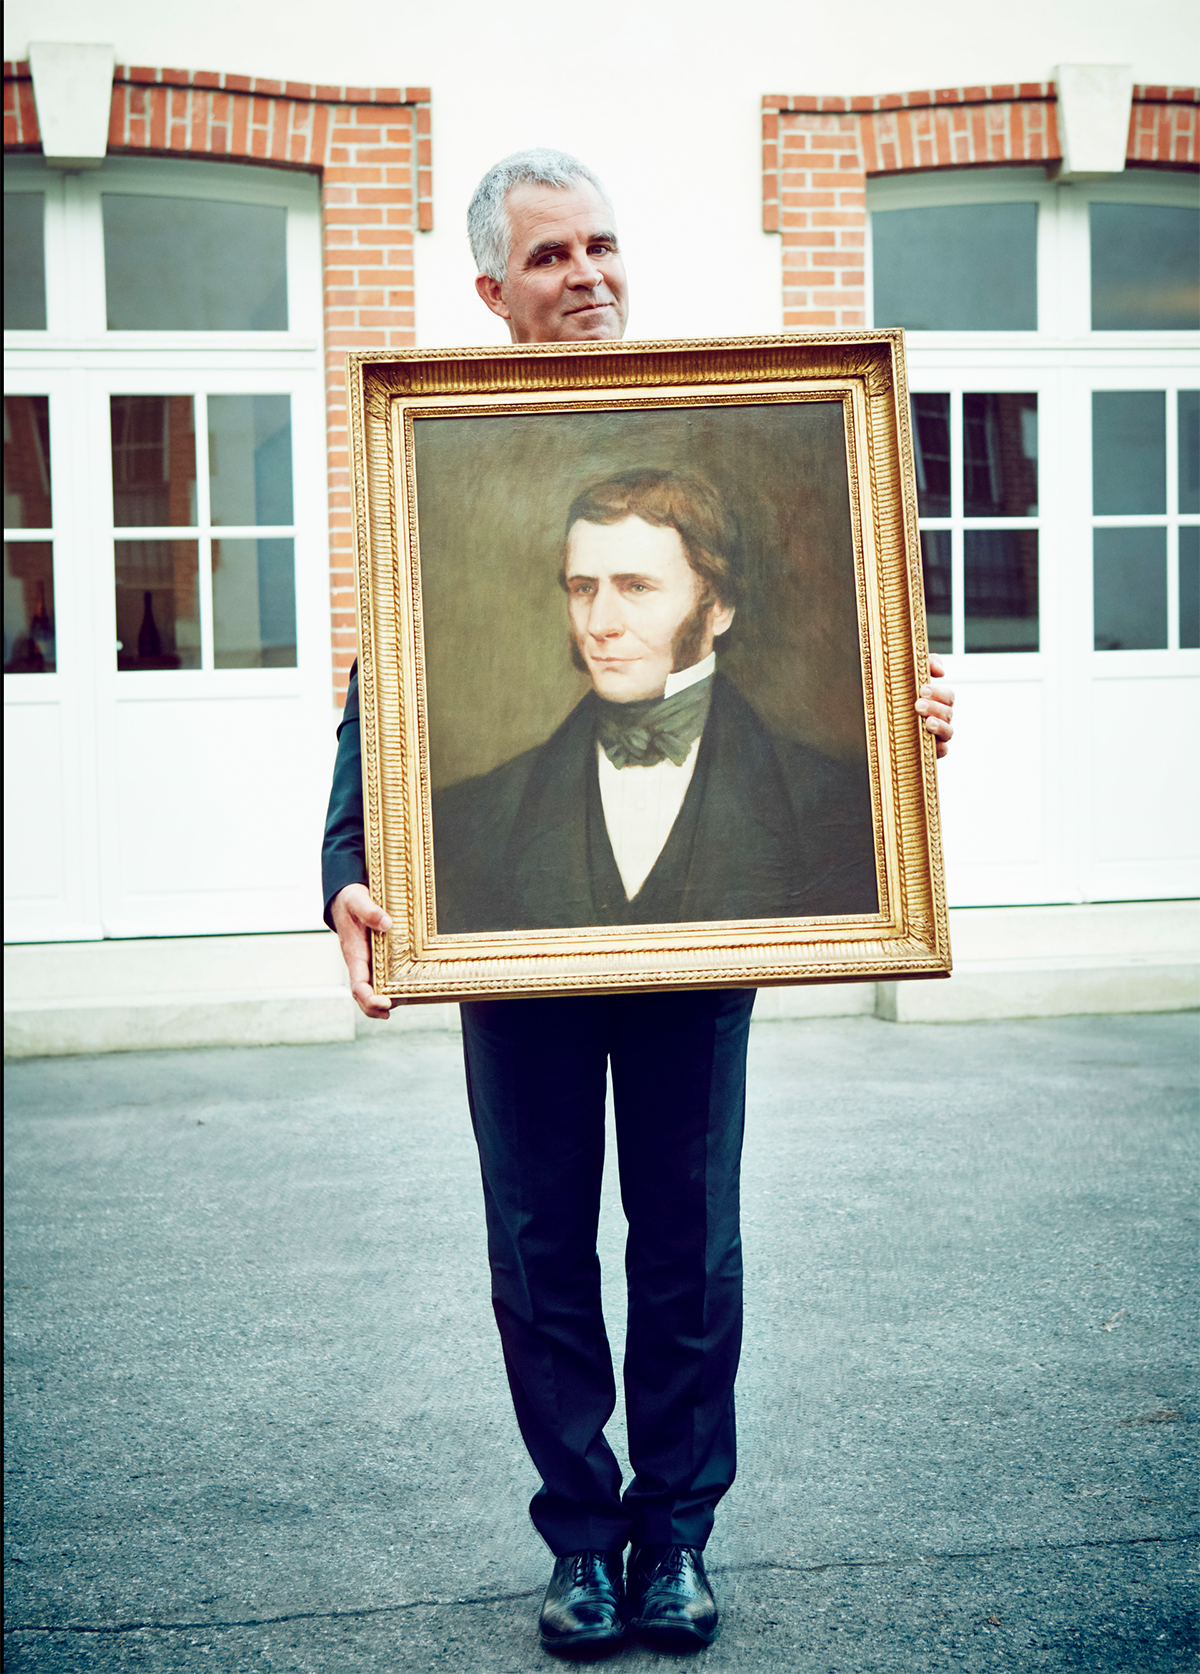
[(72, 88), (1094, 102)]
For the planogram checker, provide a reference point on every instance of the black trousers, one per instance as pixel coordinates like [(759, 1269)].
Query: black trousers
[(536, 1076)]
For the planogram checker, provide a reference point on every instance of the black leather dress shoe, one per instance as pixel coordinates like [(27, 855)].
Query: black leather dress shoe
[(583, 1613), (670, 1601)]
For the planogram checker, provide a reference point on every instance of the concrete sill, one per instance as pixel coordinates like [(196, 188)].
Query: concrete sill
[(132, 996)]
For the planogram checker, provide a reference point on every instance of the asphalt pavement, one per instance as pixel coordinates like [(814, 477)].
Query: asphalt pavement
[(257, 1418)]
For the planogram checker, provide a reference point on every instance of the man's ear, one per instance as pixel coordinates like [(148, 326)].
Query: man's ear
[(492, 293), (721, 618)]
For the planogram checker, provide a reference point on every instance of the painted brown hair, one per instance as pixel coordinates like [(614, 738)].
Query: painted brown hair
[(671, 500)]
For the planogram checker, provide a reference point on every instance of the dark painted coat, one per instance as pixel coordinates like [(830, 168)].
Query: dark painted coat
[(769, 828)]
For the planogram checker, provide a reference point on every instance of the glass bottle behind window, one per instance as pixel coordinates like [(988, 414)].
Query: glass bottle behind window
[(41, 629), (149, 638)]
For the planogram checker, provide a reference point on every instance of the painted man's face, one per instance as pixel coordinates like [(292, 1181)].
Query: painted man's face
[(630, 593)]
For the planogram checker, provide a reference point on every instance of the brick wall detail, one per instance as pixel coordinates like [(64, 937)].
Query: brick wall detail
[(1164, 127), (371, 148), (819, 151)]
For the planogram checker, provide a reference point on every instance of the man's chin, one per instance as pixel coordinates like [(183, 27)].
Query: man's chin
[(591, 325), (621, 688)]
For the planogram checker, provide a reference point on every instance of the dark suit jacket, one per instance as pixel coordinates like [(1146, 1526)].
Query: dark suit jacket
[(769, 828), (344, 848)]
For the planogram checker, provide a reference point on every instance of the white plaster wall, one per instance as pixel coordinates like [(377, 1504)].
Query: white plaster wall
[(661, 99)]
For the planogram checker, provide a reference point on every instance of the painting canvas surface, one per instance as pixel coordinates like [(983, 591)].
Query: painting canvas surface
[(777, 817)]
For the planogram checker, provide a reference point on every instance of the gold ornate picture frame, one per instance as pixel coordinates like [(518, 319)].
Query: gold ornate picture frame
[(474, 681)]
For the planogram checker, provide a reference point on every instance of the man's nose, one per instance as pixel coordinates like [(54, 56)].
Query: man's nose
[(585, 275), (604, 618)]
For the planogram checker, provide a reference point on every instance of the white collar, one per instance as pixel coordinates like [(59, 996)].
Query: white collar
[(690, 676)]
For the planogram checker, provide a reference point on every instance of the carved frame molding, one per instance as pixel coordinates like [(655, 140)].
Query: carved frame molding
[(865, 371)]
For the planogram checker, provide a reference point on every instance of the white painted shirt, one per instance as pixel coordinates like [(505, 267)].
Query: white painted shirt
[(641, 804)]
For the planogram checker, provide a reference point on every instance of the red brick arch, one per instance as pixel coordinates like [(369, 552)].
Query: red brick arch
[(819, 151), (371, 148)]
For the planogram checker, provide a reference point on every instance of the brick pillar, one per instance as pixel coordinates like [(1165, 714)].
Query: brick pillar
[(821, 212), (368, 199)]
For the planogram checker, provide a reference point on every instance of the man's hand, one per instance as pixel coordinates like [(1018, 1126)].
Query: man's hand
[(935, 705), (354, 915)]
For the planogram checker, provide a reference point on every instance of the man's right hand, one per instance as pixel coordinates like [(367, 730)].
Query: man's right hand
[(354, 916)]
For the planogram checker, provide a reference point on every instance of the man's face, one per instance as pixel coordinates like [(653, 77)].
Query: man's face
[(630, 591), (565, 281)]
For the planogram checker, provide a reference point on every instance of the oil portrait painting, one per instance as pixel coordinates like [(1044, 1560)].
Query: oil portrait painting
[(662, 615), (639, 699)]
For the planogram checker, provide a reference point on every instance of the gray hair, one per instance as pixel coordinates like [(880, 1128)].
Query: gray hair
[(488, 225)]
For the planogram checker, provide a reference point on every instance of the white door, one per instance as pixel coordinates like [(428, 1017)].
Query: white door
[(1137, 660), (212, 635), (51, 839), (998, 613), (1056, 413), (168, 775)]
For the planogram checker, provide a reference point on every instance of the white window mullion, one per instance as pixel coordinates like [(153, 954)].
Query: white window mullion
[(1172, 519), (1049, 244), (204, 532), (958, 602), (1073, 278), (61, 298), (79, 284)]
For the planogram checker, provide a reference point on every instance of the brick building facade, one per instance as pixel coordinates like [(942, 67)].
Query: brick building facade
[(371, 148), (818, 154), (1034, 847)]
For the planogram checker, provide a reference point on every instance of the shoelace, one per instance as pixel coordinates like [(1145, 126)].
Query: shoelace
[(588, 1566), (671, 1564)]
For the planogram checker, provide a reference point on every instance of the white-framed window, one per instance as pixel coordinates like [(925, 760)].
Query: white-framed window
[(167, 644), (1053, 342), (150, 253)]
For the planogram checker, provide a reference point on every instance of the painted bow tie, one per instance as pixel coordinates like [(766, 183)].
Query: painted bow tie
[(659, 729)]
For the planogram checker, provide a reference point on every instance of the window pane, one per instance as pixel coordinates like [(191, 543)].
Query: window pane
[(969, 267), (24, 261), (1189, 450), (1145, 267), (27, 462), (153, 461), (1129, 452), (254, 604), (28, 607), (1000, 450), (935, 569), (186, 264), (1129, 589), (158, 604), (1189, 587), (1000, 589), (250, 458), (931, 453)]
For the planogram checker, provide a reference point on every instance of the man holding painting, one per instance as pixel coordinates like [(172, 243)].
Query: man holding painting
[(651, 586)]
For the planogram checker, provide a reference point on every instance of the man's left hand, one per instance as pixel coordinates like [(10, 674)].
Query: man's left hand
[(935, 706)]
